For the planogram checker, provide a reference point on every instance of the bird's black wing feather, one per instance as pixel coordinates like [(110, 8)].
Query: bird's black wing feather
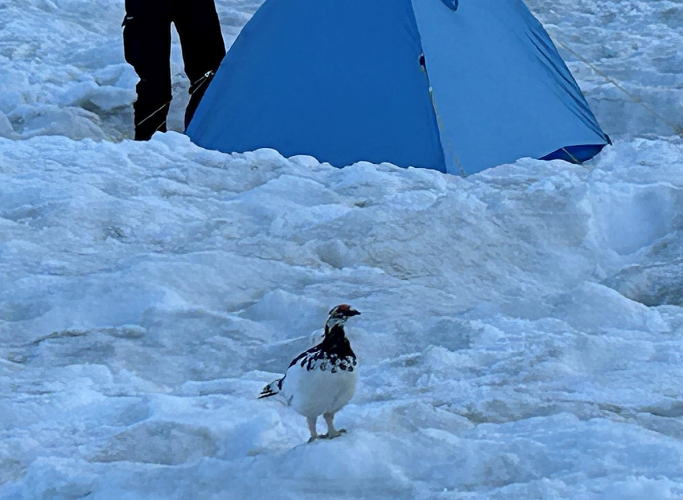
[(303, 355)]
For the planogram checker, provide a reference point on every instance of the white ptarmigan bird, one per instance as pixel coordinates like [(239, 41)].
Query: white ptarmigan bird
[(321, 380)]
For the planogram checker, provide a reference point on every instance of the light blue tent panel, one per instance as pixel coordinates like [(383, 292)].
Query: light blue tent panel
[(338, 80), (500, 88)]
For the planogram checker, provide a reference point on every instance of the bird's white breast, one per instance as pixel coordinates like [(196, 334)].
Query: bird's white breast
[(320, 386)]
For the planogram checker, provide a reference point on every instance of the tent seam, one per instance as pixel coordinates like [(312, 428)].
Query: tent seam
[(437, 119)]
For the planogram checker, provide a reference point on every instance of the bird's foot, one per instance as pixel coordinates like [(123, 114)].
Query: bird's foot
[(313, 438), (332, 435)]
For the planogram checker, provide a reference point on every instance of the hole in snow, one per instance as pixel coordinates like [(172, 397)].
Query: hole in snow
[(635, 217)]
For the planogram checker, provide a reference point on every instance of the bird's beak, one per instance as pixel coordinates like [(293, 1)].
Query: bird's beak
[(353, 312)]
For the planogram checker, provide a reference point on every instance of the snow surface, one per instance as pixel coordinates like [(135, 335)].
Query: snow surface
[(522, 329)]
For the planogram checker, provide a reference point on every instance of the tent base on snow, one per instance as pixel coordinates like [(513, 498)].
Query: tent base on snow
[(441, 84)]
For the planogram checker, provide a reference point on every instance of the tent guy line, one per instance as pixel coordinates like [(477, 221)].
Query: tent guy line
[(194, 86), (634, 98)]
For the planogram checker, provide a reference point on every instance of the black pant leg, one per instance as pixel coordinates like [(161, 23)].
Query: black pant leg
[(202, 43), (147, 47)]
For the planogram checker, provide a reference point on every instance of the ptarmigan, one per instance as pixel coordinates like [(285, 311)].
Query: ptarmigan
[(321, 380)]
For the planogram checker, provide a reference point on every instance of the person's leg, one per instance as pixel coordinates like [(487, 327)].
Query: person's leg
[(147, 47), (202, 43)]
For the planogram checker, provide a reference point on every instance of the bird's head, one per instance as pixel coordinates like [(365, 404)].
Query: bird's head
[(339, 315)]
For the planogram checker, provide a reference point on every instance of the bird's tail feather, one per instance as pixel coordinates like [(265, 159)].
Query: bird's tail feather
[(271, 389)]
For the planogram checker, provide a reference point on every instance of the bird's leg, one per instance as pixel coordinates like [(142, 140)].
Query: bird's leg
[(331, 431), (312, 429)]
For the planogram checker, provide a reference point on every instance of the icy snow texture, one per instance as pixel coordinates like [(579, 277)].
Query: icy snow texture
[(522, 329)]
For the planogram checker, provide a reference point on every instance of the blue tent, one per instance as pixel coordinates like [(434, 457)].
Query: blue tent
[(456, 86)]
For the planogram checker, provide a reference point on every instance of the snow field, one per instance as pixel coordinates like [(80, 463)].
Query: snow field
[(521, 331), (154, 288)]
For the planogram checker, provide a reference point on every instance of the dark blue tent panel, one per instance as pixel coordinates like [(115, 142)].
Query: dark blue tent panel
[(575, 154), (452, 86), (338, 80)]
